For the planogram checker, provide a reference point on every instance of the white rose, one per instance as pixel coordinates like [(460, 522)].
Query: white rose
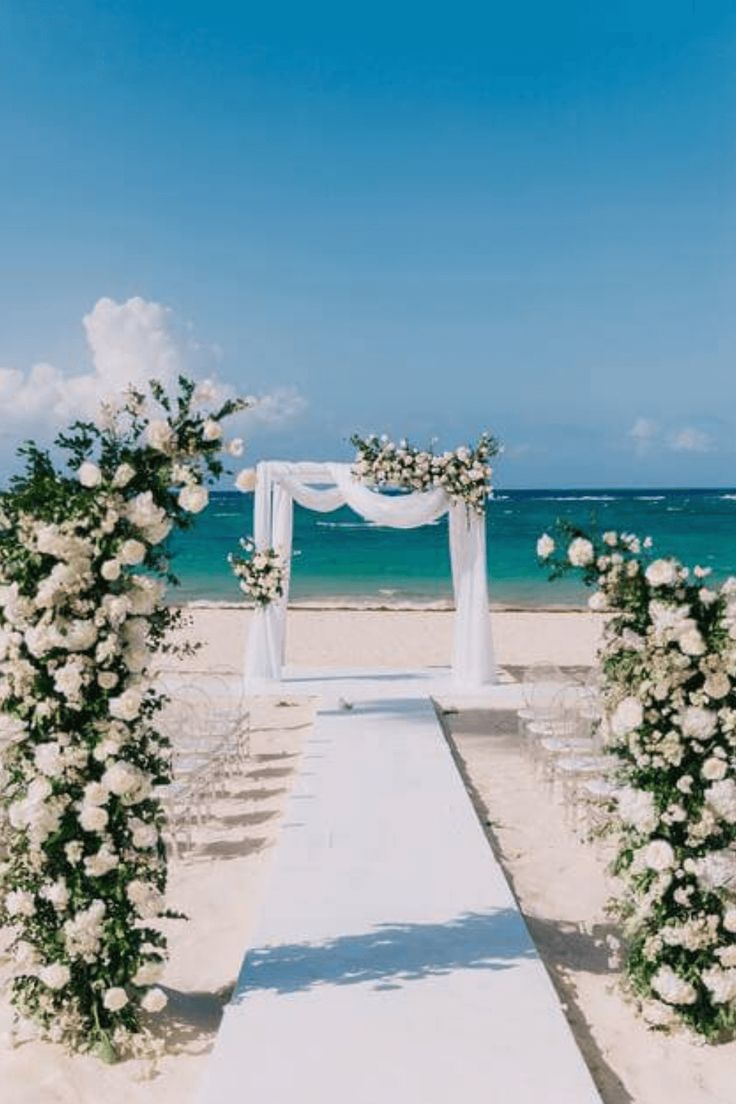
[(57, 894), (672, 988), (545, 546), (627, 717), (598, 602), (12, 729), (123, 475), (691, 642), (154, 1000), (89, 474), (19, 902), (193, 498), (115, 999), (713, 770), (717, 686), (121, 778), (55, 976), (661, 573), (636, 807), (580, 553), (126, 706), (48, 759), (698, 723), (146, 596), (658, 855), (246, 480), (721, 797), (107, 680), (721, 983), (110, 570), (236, 447), (95, 794), (93, 818), (159, 435), (132, 552), (96, 866), (211, 430), (729, 920)]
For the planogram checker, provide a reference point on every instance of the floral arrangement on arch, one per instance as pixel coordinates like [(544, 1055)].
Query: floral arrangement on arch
[(83, 572), (261, 573), (464, 474), (669, 668)]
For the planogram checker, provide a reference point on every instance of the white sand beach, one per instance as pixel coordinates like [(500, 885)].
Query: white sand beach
[(561, 884)]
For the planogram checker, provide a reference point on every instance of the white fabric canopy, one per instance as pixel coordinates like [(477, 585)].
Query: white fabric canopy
[(279, 485)]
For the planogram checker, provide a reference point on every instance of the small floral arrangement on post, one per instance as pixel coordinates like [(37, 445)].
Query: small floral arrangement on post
[(669, 669), (465, 474), (83, 568), (261, 573)]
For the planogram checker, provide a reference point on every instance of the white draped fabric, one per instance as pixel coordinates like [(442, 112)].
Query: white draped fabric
[(279, 485)]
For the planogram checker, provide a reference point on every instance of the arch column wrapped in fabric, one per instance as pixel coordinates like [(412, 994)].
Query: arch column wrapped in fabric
[(327, 487)]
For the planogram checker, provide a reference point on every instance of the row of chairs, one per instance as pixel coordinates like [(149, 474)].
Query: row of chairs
[(208, 725), (561, 724)]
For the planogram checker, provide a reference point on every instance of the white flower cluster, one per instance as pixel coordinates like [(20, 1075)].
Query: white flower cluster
[(261, 573), (669, 669), (81, 613), (465, 473)]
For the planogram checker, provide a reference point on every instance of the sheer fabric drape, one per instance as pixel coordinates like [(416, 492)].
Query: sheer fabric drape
[(279, 485)]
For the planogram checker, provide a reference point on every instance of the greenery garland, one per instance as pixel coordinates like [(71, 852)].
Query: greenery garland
[(669, 668), (83, 569)]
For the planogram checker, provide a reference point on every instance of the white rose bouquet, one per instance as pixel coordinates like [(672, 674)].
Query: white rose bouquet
[(83, 565), (261, 573), (669, 682)]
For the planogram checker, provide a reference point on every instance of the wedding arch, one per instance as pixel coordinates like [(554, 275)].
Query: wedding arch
[(325, 487)]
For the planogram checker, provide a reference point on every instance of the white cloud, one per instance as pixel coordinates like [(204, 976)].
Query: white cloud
[(643, 434), (279, 406), (689, 439), (129, 343)]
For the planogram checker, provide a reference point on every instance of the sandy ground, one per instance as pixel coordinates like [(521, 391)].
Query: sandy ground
[(402, 638), (562, 886)]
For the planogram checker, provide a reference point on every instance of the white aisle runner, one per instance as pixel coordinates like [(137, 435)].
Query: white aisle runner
[(391, 964)]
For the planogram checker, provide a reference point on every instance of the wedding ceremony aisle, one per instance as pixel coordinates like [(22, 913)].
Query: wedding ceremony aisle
[(390, 962)]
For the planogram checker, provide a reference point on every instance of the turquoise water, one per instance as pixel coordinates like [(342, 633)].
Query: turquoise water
[(339, 557)]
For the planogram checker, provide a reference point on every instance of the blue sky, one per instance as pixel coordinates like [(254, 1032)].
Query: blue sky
[(425, 219)]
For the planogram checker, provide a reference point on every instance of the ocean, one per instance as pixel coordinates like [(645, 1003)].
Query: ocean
[(340, 559)]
